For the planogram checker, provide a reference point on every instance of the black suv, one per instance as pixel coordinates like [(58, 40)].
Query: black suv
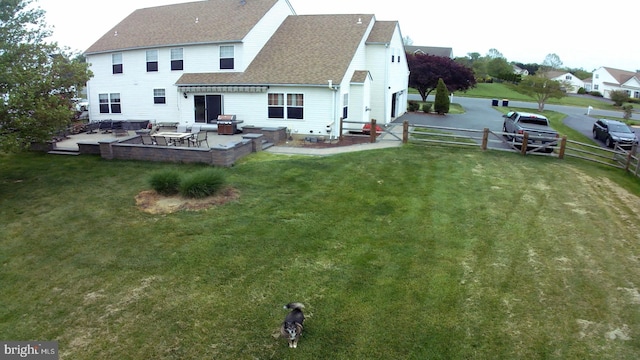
[(612, 132)]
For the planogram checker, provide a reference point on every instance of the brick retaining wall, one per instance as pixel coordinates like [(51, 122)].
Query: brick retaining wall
[(132, 149)]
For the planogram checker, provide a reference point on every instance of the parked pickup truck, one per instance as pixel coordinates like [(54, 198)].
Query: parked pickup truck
[(537, 127)]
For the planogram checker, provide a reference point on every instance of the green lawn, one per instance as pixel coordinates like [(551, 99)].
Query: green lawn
[(501, 91), (413, 252)]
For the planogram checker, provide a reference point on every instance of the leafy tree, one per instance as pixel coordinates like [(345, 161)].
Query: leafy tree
[(425, 70), (540, 88), (37, 79), (580, 73), (552, 62), (499, 67), (619, 97), (442, 102), (494, 54)]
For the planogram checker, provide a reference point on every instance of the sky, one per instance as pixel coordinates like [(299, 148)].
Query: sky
[(584, 35)]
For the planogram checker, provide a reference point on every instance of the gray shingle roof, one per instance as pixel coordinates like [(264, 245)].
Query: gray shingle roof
[(197, 22), (429, 50), (306, 49)]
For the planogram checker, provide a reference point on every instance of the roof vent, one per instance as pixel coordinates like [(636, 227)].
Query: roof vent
[(359, 21), (196, 20), (115, 33)]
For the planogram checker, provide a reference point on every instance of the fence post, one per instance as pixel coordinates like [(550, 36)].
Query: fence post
[(563, 147), (405, 132), (628, 164), (373, 132), (525, 141), (341, 127), (485, 138)]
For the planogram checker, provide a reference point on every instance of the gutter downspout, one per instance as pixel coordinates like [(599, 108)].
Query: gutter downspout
[(331, 126)]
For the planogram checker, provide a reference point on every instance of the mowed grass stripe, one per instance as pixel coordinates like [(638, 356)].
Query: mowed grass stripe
[(416, 252)]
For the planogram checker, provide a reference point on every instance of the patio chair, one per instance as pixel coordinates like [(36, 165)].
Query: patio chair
[(147, 139), (181, 128), (201, 137), (161, 140)]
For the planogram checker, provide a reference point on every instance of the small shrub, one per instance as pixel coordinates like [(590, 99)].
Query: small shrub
[(582, 91), (595, 93), (413, 106), (165, 182), (442, 102), (619, 97), (426, 107), (202, 183)]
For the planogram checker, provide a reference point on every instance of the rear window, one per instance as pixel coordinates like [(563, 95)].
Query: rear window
[(533, 120), (619, 128)]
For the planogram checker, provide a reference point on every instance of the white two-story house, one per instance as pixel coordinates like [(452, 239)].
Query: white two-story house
[(606, 79), (258, 60)]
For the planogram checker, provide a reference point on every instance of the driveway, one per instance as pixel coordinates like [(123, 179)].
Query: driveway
[(480, 114)]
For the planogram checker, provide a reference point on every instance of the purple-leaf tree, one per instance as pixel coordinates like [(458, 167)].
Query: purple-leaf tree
[(426, 70)]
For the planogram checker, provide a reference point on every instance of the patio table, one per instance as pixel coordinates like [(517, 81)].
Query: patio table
[(174, 136)]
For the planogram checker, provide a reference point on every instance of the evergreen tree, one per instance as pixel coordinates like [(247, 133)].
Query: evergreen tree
[(442, 102)]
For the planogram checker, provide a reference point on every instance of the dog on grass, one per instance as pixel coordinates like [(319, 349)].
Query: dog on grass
[(292, 326)]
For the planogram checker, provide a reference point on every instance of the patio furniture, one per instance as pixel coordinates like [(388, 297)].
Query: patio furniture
[(199, 139), (147, 139), (173, 138), (105, 126), (161, 140), (92, 127)]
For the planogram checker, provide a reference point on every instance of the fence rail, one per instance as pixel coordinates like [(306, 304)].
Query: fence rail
[(497, 140), (553, 147)]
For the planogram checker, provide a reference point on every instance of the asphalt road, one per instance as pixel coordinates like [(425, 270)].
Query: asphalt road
[(480, 114)]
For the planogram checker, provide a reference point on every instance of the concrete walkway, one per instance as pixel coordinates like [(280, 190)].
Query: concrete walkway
[(384, 141)]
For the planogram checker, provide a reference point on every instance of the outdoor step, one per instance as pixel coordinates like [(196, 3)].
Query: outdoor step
[(64, 152), (266, 145)]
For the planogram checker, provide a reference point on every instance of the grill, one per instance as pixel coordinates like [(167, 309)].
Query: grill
[(227, 124)]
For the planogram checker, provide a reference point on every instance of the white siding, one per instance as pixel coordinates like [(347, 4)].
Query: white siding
[(388, 78)]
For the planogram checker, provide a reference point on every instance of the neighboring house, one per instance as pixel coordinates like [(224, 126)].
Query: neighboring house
[(520, 71), (258, 60), (571, 82), (588, 84), (605, 80), (429, 50)]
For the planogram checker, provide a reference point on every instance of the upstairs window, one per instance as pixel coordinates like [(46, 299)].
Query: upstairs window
[(110, 103), (226, 57), (276, 106), (152, 60), (177, 62), (116, 61), (159, 96)]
